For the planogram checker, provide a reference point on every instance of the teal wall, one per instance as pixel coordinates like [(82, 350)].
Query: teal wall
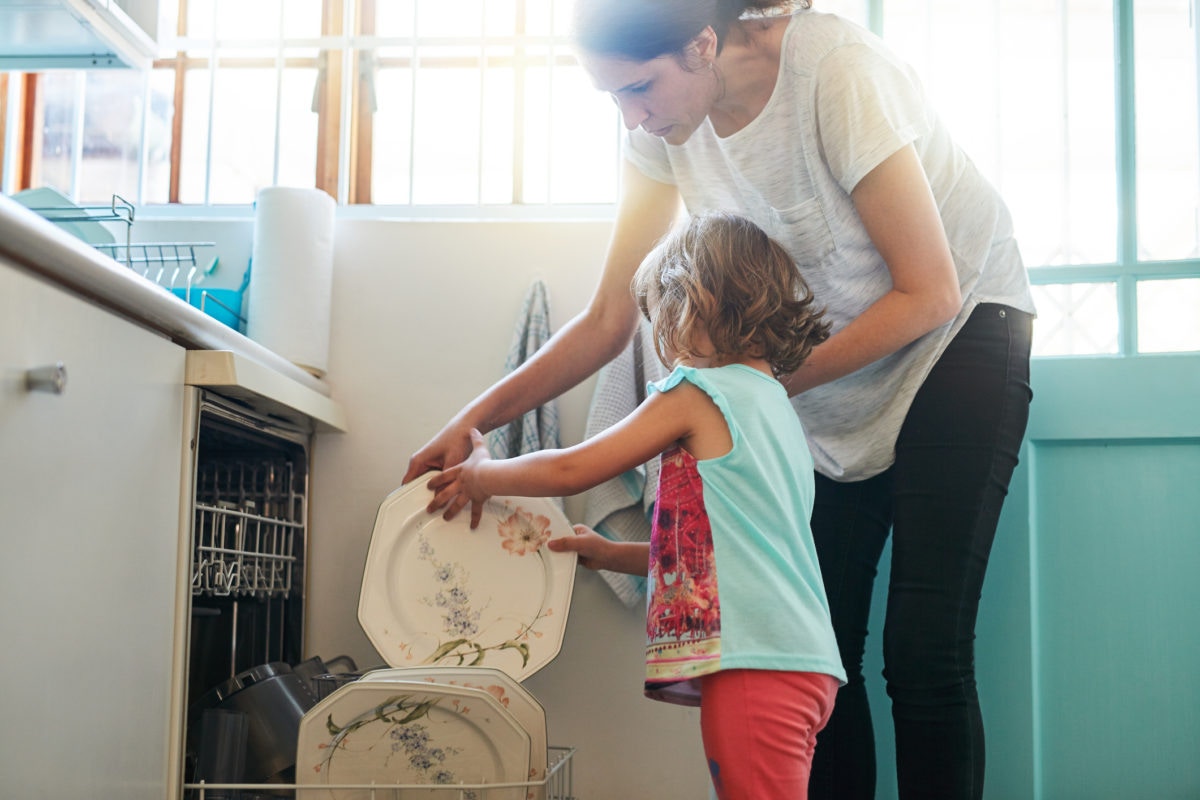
[(1088, 650)]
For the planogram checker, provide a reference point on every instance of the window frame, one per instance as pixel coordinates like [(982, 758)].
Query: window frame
[(1128, 270)]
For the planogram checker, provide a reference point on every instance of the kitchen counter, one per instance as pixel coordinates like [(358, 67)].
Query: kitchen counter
[(43, 248)]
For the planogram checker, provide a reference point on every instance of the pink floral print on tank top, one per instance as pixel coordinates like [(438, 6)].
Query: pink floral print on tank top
[(683, 620)]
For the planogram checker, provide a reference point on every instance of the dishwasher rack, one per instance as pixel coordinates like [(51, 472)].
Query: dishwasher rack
[(558, 785), (249, 518)]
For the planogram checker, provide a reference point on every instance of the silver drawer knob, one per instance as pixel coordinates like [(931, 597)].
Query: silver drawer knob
[(51, 379)]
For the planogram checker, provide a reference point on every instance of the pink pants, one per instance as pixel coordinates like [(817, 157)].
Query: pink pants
[(759, 729)]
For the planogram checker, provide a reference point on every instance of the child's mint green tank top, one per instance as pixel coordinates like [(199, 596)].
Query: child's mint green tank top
[(734, 578)]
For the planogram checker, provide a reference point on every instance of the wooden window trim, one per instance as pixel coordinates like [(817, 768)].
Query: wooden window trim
[(29, 165), (328, 102), (362, 112), (20, 91)]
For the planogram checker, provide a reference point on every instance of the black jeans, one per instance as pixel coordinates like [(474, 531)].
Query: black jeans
[(941, 500)]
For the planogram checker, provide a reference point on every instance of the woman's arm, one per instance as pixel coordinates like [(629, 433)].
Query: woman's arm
[(901, 216), (587, 342)]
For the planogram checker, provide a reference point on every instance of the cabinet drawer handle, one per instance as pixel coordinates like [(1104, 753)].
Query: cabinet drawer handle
[(51, 379)]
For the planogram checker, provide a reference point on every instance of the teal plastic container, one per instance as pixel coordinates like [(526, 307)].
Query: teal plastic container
[(223, 305)]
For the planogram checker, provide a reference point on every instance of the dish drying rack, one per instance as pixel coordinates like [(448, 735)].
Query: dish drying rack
[(162, 263), (556, 786), (249, 520)]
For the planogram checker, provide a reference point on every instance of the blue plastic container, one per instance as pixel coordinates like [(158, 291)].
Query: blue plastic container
[(223, 305)]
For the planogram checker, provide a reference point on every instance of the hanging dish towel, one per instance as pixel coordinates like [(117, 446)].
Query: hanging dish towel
[(537, 429), (620, 508)]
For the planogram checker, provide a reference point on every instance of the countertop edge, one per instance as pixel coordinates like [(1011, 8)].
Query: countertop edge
[(43, 248)]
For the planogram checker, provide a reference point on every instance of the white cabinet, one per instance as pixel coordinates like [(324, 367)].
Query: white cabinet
[(90, 502)]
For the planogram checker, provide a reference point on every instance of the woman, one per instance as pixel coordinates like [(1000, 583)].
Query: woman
[(915, 407)]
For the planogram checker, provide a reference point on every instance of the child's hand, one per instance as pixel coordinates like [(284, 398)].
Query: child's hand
[(596, 552), (462, 481), (587, 543)]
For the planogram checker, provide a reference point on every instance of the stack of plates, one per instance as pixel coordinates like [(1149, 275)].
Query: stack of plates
[(462, 616)]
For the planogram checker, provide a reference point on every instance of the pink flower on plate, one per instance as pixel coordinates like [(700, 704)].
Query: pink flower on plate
[(523, 532), (498, 693)]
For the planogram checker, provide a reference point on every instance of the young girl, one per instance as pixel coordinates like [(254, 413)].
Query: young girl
[(737, 619)]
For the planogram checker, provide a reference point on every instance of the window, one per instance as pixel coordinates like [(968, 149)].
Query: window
[(1084, 113), (395, 102)]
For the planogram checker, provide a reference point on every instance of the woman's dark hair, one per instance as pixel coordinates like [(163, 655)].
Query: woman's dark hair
[(721, 274), (640, 30)]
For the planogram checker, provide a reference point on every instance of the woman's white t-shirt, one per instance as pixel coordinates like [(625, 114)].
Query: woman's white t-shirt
[(842, 104)]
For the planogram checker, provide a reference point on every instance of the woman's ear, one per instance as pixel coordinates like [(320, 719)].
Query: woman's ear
[(706, 46)]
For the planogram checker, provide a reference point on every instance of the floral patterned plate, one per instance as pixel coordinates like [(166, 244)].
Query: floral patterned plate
[(524, 707), (437, 592), (392, 733)]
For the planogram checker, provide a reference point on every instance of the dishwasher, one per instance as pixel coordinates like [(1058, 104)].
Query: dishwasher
[(248, 546)]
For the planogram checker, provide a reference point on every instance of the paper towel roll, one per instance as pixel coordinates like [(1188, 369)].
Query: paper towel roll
[(291, 275)]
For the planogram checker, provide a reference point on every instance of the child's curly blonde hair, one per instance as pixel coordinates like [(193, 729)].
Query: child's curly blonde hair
[(721, 274)]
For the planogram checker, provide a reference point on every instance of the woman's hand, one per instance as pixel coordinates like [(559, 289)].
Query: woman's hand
[(451, 446), (460, 484), (596, 552)]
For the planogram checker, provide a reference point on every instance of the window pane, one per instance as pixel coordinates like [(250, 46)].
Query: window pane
[(1075, 319), (243, 135), (547, 17), (391, 138), (501, 17), (535, 173), (585, 143), (157, 153), (457, 19), (447, 133), (193, 167), (302, 19), (61, 119), (1025, 100), (1088, 158), (1168, 144), (201, 19), (248, 19), (112, 135), (1168, 316), (297, 129), (394, 18), (571, 134), (243, 20), (499, 109)]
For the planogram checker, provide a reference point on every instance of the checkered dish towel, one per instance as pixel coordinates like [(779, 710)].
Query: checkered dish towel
[(620, 509), (537, 429)]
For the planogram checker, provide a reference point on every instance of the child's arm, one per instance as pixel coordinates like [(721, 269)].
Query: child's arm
[(661, 420)]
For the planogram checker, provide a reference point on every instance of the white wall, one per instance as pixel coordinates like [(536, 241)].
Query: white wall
[(423, 313)]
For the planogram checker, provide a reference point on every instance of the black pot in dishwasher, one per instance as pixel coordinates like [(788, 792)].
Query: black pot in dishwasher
[(274, 699)]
